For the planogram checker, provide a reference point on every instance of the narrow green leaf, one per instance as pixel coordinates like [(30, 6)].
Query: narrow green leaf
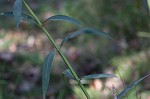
[(23, 17), (46, 69), (97, 76), (85, 31), (17, 9), (130, 87), (68, 74), (63, 18)]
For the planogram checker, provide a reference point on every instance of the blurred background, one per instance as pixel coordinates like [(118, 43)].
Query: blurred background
[(127, 56)]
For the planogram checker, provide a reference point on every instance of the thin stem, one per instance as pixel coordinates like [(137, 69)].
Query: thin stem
[(32, 13), (58, 50), (124, 86)]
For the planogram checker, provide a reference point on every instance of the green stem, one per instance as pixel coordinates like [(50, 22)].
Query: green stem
[(58, 50)]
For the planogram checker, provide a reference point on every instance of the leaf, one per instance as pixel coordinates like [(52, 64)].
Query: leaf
[(46, 69), (17, 9), (84, 31), (68, 74), (97, 76), (130, 87), (23, 17), (64, 18)]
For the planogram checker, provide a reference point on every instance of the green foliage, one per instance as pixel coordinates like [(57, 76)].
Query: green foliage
[(63, 18), (98, 76), (17, 10), (23, 17), (130, 87), (85, 31), (67, 74), (46, 69), (70, 73)]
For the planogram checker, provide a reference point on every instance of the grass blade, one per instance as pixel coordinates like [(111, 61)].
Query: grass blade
[(130, 87), (97, 76), (17, 9), (23, 17), (46, 69), (85, 31), (63, 18)]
